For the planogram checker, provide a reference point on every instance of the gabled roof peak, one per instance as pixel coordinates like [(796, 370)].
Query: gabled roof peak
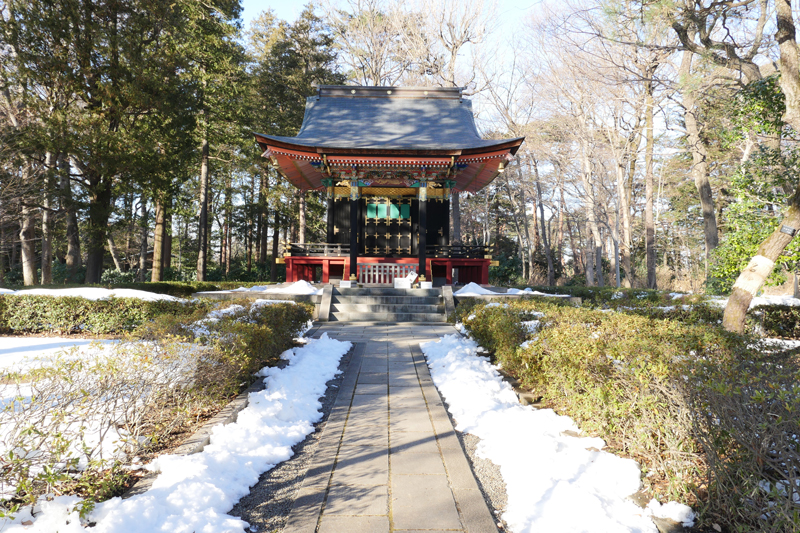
[(353, 91)]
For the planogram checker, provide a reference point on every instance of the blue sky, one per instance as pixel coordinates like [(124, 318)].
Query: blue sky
[(511, 12)]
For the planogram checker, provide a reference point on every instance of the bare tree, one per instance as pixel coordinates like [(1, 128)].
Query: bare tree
[(368, 35)]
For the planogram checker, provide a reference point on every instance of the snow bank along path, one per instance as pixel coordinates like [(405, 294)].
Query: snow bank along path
[(193, 493), (554, 482)]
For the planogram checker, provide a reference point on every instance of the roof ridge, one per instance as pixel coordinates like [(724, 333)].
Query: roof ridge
[(361, 91)]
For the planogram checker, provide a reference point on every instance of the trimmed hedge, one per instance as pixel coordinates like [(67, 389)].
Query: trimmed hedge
[(712, 417), (180, 289), (68, 314), (244, 343)]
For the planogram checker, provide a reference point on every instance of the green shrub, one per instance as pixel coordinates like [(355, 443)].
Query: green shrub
[(69, 314), (711, 416), (115, 277), (248, 341)]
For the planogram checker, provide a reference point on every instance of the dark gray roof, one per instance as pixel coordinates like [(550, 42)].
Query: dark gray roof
[(389, 118)]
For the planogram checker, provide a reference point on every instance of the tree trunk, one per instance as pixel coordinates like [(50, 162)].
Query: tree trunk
[(202, 225), (537, 242), (616, 251), (262, 207), (143, 239), (625, 218), (228, 247), (167, 254), (649, 226), (699, 152), (273, 268), (73, 257), (99, 211), (576, 253), (2, 250), (302, 224), (27, 238), (114, 255), (560, 237), (551, 276), (591, 216), (131, 216), (47, 221), (159, 235)]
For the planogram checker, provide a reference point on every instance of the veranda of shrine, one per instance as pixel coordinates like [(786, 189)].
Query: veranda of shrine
[(388, 159)]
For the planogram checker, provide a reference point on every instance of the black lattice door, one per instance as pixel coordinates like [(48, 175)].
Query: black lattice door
[(387, 227)]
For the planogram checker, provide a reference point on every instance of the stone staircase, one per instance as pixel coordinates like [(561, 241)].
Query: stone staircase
[(387, 305)]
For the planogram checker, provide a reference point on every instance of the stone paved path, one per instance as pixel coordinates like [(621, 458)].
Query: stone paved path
[(388, 459)]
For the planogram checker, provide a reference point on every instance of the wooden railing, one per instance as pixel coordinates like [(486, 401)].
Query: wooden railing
[(457, 251), (383, 273), (317, 249)]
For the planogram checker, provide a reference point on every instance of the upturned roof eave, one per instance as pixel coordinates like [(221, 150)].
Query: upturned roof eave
[(290, 143)]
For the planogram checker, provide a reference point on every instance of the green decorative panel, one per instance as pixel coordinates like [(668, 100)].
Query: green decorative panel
[(372, 210), (394, 211), (405, 211), (381, 210)]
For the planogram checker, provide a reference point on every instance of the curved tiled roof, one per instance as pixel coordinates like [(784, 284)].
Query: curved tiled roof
[(389, 118)]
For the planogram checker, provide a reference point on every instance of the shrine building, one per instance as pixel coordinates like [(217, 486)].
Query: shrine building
[(388, 159)]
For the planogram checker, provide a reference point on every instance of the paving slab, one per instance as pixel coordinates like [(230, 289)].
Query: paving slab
[(374, 377), (366, 435), (389, 460), (413, 442), (362, 465), (417, 463), (423, 502), (371, 388), (354, 524), (357, 500)]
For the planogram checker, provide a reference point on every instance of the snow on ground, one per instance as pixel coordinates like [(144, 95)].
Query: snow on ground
[(194, 492), (530, 292), (23, 353), (473, 289), (531, 326), (783, 344), (298, 287), (758, 300), (91, 425), (554, 482), (95, 293)]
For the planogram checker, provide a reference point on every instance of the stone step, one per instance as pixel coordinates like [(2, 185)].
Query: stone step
[(384, 300), (387, 317), (387, 291), (389, 308)]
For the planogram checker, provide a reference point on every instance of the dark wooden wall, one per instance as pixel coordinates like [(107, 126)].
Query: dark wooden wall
[(402, 241)]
